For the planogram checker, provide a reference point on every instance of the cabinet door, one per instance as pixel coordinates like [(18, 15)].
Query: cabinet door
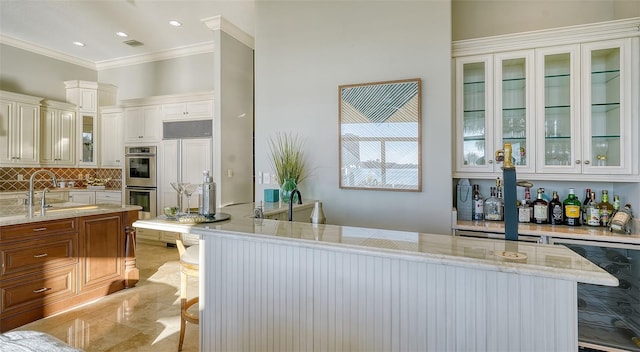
[(84, 197), (19, 134), (143, 124), (606, 107), (108, 197), (196, 158), (189, 110), (474, 113), (558, 127), (87, 139), (514, 104), (58, 137), (112, 140), (88, 100), (168, 172), (101, 251)]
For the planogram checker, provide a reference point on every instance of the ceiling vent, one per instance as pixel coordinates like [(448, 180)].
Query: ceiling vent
[(133, 43)]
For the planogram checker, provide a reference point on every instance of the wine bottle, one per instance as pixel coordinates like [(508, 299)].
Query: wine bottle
[(585, 203), (556, 216), (477, 212), (592, 211), (572, 209)]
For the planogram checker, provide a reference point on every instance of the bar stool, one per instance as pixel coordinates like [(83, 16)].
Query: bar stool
[(189, 267)]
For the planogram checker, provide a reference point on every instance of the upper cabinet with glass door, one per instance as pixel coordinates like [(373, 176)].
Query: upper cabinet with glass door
[(584, 111), (474, 112)]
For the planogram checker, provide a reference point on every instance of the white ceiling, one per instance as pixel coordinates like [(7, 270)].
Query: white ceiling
[(55, 25)]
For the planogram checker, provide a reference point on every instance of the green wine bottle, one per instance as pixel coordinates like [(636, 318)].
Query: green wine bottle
[(572, 209)]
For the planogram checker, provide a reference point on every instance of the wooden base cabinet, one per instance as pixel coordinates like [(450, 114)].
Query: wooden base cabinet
[(54, 265)]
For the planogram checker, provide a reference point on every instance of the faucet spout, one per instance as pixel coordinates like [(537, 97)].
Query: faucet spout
[(293, 193), (31, 182)]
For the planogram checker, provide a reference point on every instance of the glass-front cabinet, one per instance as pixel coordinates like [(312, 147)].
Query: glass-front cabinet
[(583, 111), (88, 137), (474, 113), (495, 103)]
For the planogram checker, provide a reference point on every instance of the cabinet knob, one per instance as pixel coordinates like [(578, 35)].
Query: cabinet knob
[(490, 161), (578, 162)]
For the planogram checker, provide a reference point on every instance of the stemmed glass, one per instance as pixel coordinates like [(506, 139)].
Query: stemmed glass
[(178, 187), (600, 149), (188, 189)]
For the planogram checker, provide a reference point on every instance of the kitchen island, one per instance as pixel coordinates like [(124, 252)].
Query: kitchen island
[(70, 255), (274, 285)]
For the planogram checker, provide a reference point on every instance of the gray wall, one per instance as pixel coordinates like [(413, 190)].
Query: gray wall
[(173, 76), (305, 50), (477, 19), (25, 72)]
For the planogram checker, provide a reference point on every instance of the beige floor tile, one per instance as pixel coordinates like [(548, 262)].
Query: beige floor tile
[(142, 318)]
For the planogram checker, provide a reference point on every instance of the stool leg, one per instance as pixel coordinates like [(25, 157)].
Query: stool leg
[(183, 307)]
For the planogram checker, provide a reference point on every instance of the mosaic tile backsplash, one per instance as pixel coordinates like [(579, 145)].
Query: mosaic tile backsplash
[(17, 178)]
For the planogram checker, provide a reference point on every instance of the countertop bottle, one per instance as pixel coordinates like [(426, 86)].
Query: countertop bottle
[(572, 209), (622, 221), (606, 208), (556, 212), (585, 202), (477, 212), (493, 207), (540, 208), (592, 211), (208, 198)]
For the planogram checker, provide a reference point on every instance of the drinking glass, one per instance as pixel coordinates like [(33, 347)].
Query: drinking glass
[(188, 189), (178, 188), (600, 149)]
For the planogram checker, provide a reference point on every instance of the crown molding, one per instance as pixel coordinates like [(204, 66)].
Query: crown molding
[(219, 23), (195, 49), (548, 37), (46, 52)]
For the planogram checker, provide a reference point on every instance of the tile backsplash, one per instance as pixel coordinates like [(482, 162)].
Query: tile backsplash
[(17, 178)]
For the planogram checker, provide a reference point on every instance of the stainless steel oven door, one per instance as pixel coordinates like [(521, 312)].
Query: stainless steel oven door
[(144, 197), (140, 170)]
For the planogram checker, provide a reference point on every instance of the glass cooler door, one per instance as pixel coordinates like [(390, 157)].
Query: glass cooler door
[(609, 317)]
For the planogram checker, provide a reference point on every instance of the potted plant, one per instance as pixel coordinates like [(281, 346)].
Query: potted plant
[(287, 160)]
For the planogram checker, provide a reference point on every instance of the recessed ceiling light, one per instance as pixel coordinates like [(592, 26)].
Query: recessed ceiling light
[(122, 34), (175, 23), (79, 43)]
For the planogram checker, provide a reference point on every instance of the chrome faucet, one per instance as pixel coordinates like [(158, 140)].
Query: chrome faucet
[(31, 179), (293, 193)]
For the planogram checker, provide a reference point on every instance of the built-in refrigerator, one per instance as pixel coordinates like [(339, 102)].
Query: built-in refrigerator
[(186, 153)]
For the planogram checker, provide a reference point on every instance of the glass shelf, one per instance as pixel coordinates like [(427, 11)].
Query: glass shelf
[(474, 83), (604, 107), (601, 77)]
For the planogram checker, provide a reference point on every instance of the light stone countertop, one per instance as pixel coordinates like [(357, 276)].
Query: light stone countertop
[(66, 210), (557, 231), (539, 260)]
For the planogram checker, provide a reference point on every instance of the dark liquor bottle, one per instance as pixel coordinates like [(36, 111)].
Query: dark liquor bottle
[(556, 211), (585, 202), (477, 212), (572, 209), (606, 209), (540, 209)]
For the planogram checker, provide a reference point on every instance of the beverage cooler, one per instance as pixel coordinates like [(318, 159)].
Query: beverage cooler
[(609, 317)]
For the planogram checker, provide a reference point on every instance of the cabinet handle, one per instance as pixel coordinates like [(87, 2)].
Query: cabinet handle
[(490, 161), (40, 229), (586, 162), (578, 162), (40, 255), (40, 290)]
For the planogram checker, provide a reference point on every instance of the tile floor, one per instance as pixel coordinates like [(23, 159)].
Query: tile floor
[(142, 318)]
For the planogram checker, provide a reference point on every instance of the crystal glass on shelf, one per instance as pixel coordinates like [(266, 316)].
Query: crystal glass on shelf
[(188, 189), (600, 149)]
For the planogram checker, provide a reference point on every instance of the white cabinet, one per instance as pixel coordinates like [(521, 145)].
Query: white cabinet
[(112, 138), (494, 106), (585, 109), (89, 96), (103, 197), (84, 197), (143, 124), (87, 147), (182, 161), (19, 130), (57, 134), (566, 109), (188, 110)]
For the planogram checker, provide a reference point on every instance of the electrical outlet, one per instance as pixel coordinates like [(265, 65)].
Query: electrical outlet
[(229, 173), (266, 178), (20, 177), (260, 175)]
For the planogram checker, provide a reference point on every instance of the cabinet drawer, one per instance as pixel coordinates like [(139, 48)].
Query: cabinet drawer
[(37, 290), (20, 232), (39, 255), (108, 197)]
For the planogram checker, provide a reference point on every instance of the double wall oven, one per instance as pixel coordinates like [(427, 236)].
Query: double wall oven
[(141, 178)]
